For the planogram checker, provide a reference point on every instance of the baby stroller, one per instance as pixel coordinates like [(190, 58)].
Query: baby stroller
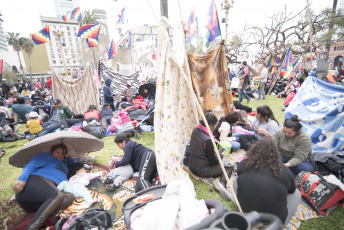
[(148, 118)]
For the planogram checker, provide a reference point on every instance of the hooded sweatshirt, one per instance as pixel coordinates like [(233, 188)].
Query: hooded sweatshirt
[(108, 97)]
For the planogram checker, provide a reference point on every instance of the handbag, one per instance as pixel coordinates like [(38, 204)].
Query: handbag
[(256, 84), (317, 192)]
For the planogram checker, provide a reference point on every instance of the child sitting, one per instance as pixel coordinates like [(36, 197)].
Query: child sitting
[(76, 184), (117, 175), (34, 125)]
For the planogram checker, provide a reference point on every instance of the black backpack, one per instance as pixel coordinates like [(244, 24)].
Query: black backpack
[(95, 219)]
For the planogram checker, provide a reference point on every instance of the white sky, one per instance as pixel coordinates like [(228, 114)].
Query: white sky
[(22, 16)]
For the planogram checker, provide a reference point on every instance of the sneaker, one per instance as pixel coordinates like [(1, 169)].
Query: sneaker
[(31, 137), (108, 180), (111, 187), (263, 99), (249, 100), (224, 193)]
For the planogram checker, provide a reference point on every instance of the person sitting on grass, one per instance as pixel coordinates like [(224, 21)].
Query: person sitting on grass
[(21, 109), (202, 159), (106, 114), (226, 131), (265, 125), (34, 125), (92, 114), (79, 179), (294, 145), (264, 184)]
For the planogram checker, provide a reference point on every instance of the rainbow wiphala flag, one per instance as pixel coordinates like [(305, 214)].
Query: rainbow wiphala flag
[(92, 42), (112, 49), (89, 31), (73, 14), (43, 36)]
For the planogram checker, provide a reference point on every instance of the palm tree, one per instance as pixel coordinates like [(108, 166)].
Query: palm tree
[(28, 46), (13, 40), (89, 18)]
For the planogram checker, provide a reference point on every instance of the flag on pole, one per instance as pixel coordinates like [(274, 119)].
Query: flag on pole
[(277, 61), (128, 41), (287, 59), (89, 31), (213, 24), (112, 50), (122, 19), (73, 14), (193, 31), (105, 55), (190, 20), (43, 36), (92, 42)]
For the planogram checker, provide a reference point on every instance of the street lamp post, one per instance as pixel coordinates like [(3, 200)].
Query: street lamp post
[(60, 34), (226, 5)]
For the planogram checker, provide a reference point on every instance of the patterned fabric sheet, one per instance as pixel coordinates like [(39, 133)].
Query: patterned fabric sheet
[(320, 106), (303, 211)]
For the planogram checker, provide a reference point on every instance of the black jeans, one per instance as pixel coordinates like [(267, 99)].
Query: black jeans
[(246, 141), (147, 171), (41, 195)]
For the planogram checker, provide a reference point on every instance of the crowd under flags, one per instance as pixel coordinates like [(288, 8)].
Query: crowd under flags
[(73, 14), (42, 36), (89, 31), (213, 24), (112, 50)]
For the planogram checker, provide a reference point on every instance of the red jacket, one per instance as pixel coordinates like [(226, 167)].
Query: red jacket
[(92, 114), (49, 83)]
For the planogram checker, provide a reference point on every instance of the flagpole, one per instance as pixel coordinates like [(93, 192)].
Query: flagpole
[(310, 34), (60, 34)]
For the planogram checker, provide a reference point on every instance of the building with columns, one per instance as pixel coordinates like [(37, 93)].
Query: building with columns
[(336, 55)]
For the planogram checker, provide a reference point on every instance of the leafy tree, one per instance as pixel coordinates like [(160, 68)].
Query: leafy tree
[(14, 40), (89, 18), (28, 46)]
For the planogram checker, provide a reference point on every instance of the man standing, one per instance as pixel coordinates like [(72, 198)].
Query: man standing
[(58, 113), (263, 80), (108, 96), (21, 109), (244, 79), (49, 84)]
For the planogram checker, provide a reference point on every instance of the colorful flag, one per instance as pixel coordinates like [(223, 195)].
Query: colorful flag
[(122, 17), (73, 14), (43, 36), (277, 61), (308, 57), (92, 42), (105, 55), (287, 59), (89, 31), (213, 24), (190, 20), (193, 31), (112, 50)]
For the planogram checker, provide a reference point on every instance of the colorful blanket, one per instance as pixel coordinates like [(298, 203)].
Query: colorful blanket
[(320, 106), (12, 215), (209, 74), (119, 81)]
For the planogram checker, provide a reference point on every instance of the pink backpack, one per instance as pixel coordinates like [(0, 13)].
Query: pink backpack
[(114, 122), (125, 117)]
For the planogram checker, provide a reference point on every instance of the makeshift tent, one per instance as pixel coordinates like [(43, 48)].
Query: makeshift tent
[(77, 94), (209, 74), (320, 106), (119, 81), (175, 108)]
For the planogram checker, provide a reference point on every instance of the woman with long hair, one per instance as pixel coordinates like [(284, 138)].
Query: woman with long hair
[(264, 126), (36, 97), (294, 145), (264, 184)]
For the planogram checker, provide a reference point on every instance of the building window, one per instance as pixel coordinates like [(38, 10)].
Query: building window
[(334, 49), (68, 33), (53, 56), (74, 28), (75, 34), (61, 62), (60, 56), (74, 61), (67, 27), (54, 62)]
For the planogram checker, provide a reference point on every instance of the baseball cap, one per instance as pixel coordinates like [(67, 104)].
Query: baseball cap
[(56, 101), (40, 104), (33, 114)]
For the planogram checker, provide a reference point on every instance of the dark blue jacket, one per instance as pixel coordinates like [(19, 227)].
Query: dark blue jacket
[(108, 97), (133, 153), (46, 109), (106, 113)]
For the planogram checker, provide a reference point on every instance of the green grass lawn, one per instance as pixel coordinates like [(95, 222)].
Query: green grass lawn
[(9, 174)]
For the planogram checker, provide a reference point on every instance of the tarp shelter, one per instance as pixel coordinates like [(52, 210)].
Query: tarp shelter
[(209, 74), (175, 109), (77, 94), (320, 106), (119, 81)]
